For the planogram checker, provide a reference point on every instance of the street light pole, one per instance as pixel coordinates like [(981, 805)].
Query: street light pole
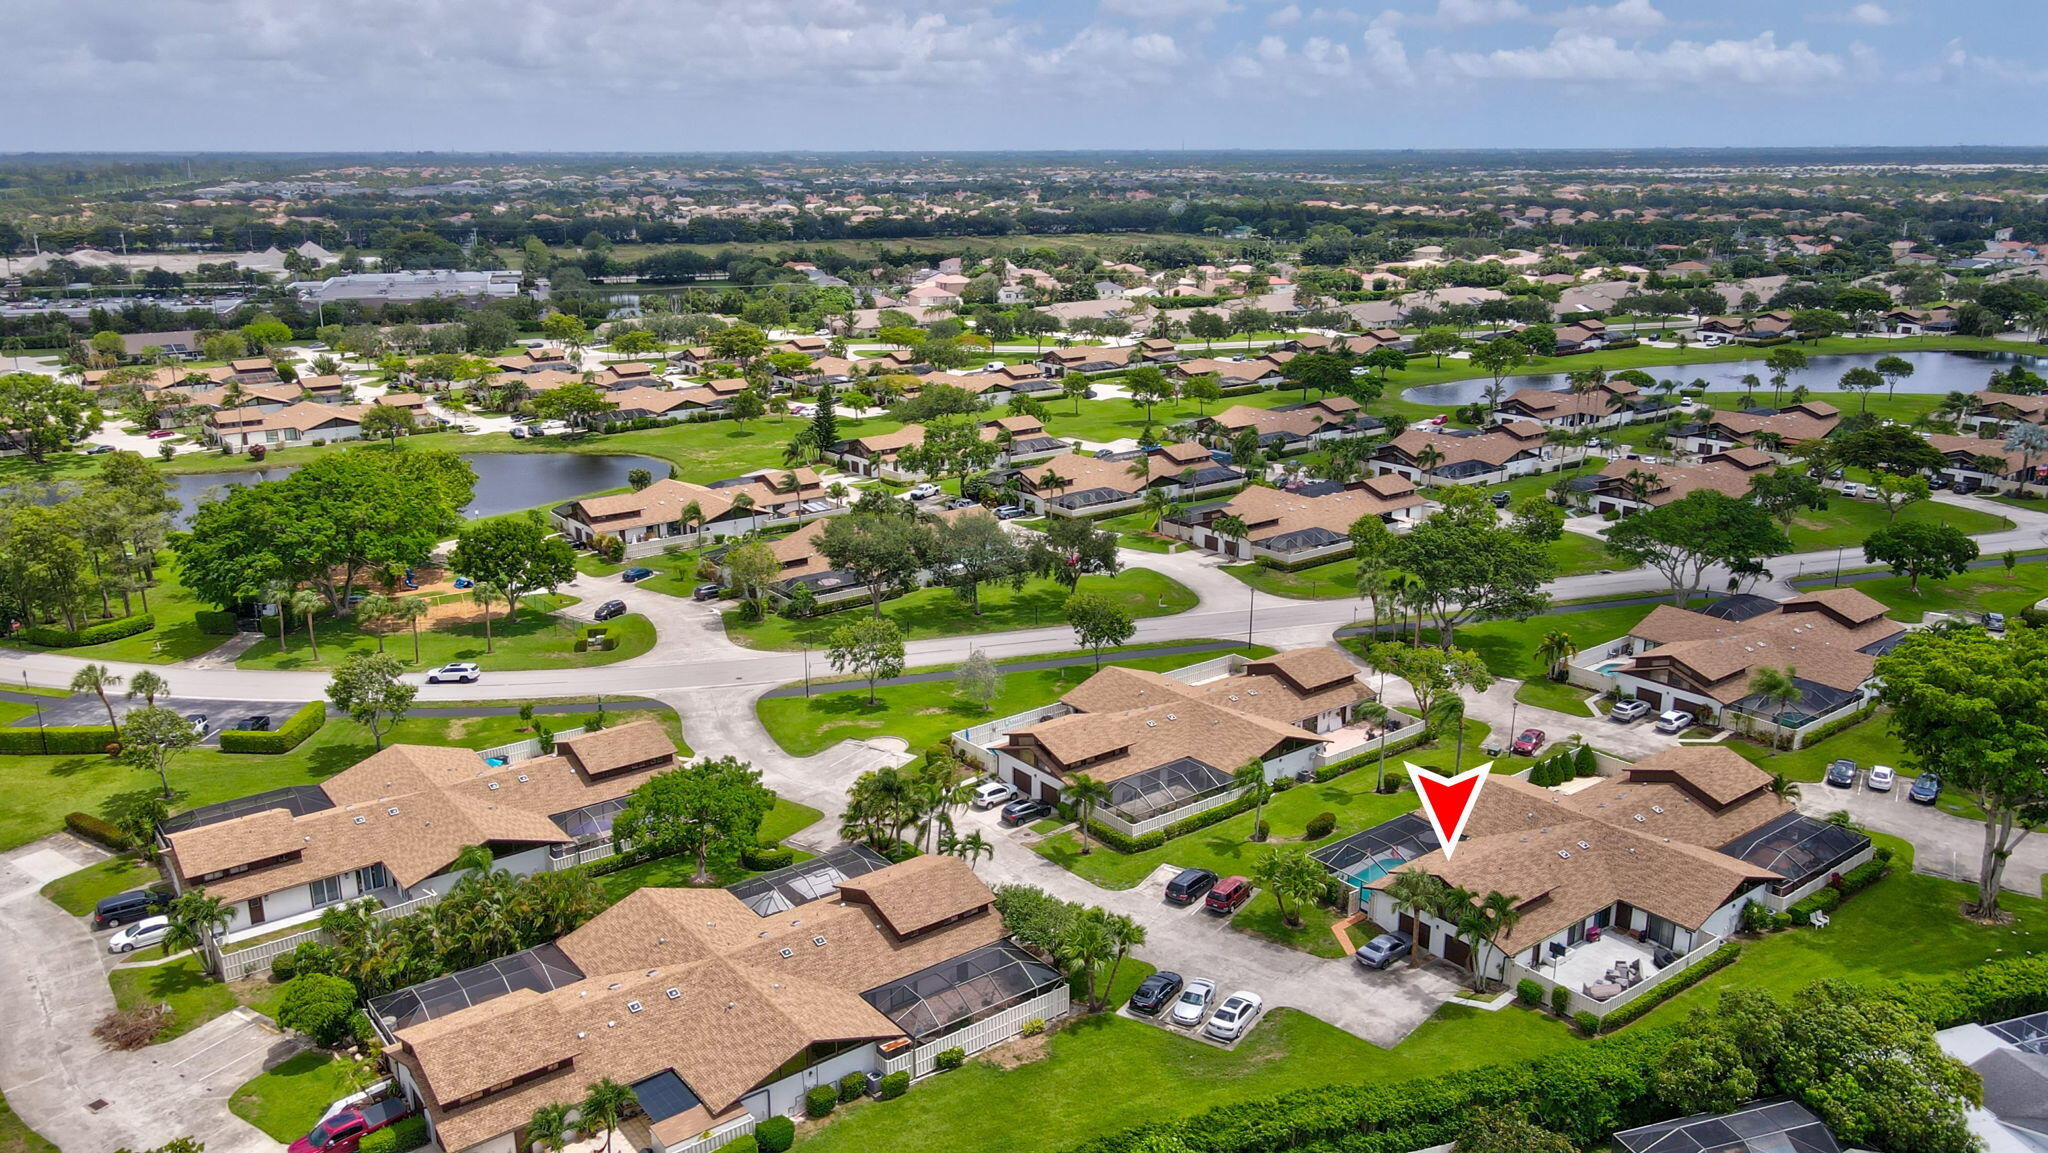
[(1251, 601), (42, 738), (807, 670)]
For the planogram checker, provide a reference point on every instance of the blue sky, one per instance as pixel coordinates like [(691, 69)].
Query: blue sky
[(675, 75)]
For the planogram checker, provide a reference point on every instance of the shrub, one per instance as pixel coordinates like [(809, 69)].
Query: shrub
[(853, 1086), (775, 1135), (318, 1006), (1261, 831), (258, 452), (98, 831), (766, 857), (55, 638), (282, 739), (1588, 1024), (1761, 919), (1585, 764), (1561, 999), (1712, 963), (1863, 876), (819, 1101), (1824, 900), (744, 1143), (310, 957), (1529, 992), (895, 1085), (1033, 1027), (28, 740), (1320, 826), (952, 1058), (409, 1133), (215, 623)]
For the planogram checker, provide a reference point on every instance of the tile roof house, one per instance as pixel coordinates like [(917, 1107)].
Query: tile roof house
[(1077, 484), (1968, 457), (535, 360), (1298, 526), (1627, 485), (1294, 427), (766, 499), (391, 826), (307, 422), (1264, 371), (1166, 745), (1512, 448), (1086, 358), (1610, 403), (1633, 871), (720, 1007), (626, 375), (1999, 409), (1786, 428)]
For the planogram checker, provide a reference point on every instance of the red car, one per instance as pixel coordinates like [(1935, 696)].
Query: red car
[(344, 1131), (1527, 744), (160, 433), (1229, 895)]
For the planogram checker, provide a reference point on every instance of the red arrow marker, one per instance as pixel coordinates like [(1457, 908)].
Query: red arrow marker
[(1448, 801)]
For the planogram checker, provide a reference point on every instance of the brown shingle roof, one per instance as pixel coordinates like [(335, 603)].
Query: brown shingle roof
[(1272, 512), (608, 750), (919, 893)]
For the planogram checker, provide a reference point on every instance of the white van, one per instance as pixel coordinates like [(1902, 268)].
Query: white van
[(1675, 721)]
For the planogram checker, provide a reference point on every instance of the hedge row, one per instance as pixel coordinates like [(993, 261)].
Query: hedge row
[(1827, 898), (1715, 961), (27, 740), (406, 1133), (214, 623), (282, 739), (100, 832), (1585, 1093), (56, 638)]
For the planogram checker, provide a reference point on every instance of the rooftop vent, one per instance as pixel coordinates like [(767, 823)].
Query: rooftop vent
[(392, 811), (787, 953), (1641, 818), (633, 1006), (1584, 845), (362, 820), (613, 985), (1562, 855), (1173, 716), (675, 994), (523, 778), (492, 786), (818, 941), (1151, 724), (1658, 809)]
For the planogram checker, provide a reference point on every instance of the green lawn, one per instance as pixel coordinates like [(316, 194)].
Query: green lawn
[(1261, 918), (1135, 529), (1847, 521), (938, 612), (1577, 554), (1151, 1074), (176, 636), (1545, 693), (288, 1100), (77, 893), (1337, 580), (194, 997), (1977, 591), (17, 1137), (41, 789), (922, 714), (1509, 647), (533, 640), (786, 819)]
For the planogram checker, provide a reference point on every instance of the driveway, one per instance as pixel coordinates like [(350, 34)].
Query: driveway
[(67, 1085), (1944, 845)]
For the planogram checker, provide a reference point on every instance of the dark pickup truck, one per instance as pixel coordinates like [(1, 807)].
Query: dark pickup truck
[(344, 1131)]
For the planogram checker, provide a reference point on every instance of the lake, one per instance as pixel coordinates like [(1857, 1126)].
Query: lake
[(1937, 373), (505, 481)]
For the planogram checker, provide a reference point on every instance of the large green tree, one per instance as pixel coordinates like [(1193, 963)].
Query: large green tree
[(870, 649), (516, 553), (881, 549), (1099, 621), (367, 687), (1471, 572), (43, 414), (1683, 539), (698, 808), (1974, 709), (975, 550), (1916, 549)]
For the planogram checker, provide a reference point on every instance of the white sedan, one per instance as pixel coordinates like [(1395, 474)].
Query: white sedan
[(141, 934), (1194, 1002), (1234, 1015), (1881, 778)]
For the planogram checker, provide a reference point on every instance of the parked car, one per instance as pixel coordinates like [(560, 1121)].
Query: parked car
[(1155, 993), (461, 672), (924, 491), (610, 609), (259, 723), (1024, 809), (518, 432), (99, 450), (707, 592), (1234, 1015), (160, 433), (1852, 488), (636, 574), (1527, 744), (148, 931), (344, 1131), (1384, 950), (1675, 721), (1011, 511), (1940, 481), (992, 793), (1995, 622), (198, 723), (1880, 778), (957, 502), (1228, 895), (1842, 774), (1503, 499), (133, 905), (1967, 485), (1190, 884), (1926, 788), (1630, 711), (1193, 1003)]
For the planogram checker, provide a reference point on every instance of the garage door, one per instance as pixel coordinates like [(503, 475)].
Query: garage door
[(1655, 698), (1418, 933), (1457, 952)]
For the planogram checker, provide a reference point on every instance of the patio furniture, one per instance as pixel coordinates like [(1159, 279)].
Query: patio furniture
[(1602, 991)]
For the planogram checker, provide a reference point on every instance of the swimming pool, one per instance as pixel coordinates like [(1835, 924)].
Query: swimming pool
[(1609, 668), (495, 762), (1371, 871)]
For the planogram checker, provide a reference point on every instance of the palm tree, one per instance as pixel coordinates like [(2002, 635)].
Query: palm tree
[(1778, 691), (197, 920), (303, 602), (972, 848), (1448, 711), (1124, 935), (1750, 383), (1784, 788), (1086, 792), (410, 610), (1427, 461), (486, 594), (1955, 406), (1251, 777), (1232, 525), (1372, 586), (1554, 650), (1294, 878), (603, 1101), (1409, 589), (1416, 892), (548, 1127), (371, 610), (692, 515), (1088, 943), (98, 679), (1492, 918), (149, 685)]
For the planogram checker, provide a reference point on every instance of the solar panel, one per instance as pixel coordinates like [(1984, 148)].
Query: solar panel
[(664, 1095)]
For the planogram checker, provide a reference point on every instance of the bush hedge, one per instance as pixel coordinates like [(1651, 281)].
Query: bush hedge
[(282, 739), (406, 1133), (1561, 999), (744, 1143), (1319, 826), (98, 831), (766, 857), (1712, 963), (951, 1058), (215, 623), (895, 1085), (819, 1100), (853, 1086), (28, 740), (1529, 992), (56, 638), (775, 1135)]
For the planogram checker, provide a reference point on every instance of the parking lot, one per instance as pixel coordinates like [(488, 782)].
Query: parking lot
[(1944, 845), (220, 713)]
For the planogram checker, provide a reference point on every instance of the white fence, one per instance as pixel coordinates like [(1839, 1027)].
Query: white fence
[(716, 1138), (527, 749), (239, 963), (583, 856), (1580, 1003), (923, 1060)]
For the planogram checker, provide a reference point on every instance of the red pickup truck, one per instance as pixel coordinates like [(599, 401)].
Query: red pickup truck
[(344, 1131)]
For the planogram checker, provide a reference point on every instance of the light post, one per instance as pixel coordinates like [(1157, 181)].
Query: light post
[(807, 670), (1251, 601), (42, 737)]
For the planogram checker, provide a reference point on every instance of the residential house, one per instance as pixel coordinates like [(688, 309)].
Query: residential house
[(1299, 526), (1292, 428), (1764, 326), (412, 402), (1608, 403), (2010, 1059), (254, 370), (1920, 321), (2000, 409), (261, 398), (1159, 350), (536, 359), (1166, 744), (628, 374), (641, 401), (712, 395), (392, 826), (1075, 484), (1775, 430), (875, 454), (183, 344), (1260, 372), (1703, 662), (1615, 882), (1511, 449), (1581, 336), (1628, 484), (1775, 1125), (823, 370), (1109, 290), (654, 516), (305, 422), (1086, 358), (811, 346), (330, 389), (720, 1008), (1023, 438)]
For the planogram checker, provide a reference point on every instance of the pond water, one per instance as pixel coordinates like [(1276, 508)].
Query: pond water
[(1937, 373), (505, 481)]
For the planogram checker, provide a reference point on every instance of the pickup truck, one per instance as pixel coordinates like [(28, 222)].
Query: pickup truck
[(344, 1131)]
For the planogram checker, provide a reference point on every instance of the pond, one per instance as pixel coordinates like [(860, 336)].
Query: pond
[(1937, 373), (505, 481)]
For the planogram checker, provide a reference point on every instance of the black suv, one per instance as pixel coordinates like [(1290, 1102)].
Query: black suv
[(1188, 888), (1155, 993), (610, 609), (128, 907)]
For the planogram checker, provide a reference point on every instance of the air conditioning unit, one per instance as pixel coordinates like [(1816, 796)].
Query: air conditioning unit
[(874, 1083)]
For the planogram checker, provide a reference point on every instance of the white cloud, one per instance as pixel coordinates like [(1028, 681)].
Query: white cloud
[(1461, 14), (1580, 57), (1385, 56), (1622, 18), (1867, 15), (1957, 65), (1167, 11), (1286, 17)]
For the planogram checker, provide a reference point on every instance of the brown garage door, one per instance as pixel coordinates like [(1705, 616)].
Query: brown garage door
[(1655, 698), (1418, 933), (1457, 952)]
